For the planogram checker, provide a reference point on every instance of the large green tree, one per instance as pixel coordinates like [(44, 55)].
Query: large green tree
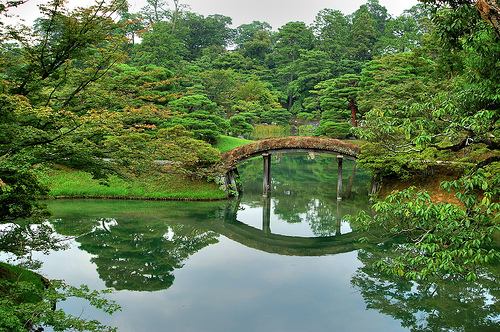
[(451, 119), (46, 70), (198, 32)]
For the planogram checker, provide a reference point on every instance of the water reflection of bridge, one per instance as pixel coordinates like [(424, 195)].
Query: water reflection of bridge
[(264, 240)]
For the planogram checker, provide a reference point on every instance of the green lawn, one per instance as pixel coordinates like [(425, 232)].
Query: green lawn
[(226, 143), (71, 183)]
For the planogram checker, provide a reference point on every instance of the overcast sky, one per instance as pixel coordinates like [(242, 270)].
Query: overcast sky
[(275, 12)]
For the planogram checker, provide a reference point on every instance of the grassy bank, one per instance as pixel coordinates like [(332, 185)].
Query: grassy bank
[(16, 273), (64, 182), (226, 143)]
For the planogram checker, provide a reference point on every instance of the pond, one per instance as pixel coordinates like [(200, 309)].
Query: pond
[(291, 262)]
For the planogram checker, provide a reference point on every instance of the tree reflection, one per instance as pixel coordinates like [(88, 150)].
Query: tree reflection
[(437, 305), (138, 254)]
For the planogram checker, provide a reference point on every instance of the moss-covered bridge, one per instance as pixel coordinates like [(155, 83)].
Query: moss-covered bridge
[(232, 158)]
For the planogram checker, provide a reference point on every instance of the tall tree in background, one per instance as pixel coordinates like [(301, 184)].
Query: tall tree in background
[(331, 28), (364, 34), (379, 14), (290, 41), (246, 32), (405, 32), (199, 32), (258, 47), (160, 47), (155, 11)]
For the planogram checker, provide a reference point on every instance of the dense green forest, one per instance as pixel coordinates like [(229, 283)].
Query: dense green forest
[(107, 91)]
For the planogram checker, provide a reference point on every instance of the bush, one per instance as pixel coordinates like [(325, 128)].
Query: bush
[(307, 130), (334, 129), (240, 126), (278, 116), (205, 126), (305, 116)]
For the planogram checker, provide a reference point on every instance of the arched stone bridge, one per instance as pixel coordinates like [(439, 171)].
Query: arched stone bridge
[(231, 158), (266, 147)]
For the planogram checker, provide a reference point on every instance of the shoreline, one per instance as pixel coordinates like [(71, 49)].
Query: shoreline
[(134, 198)]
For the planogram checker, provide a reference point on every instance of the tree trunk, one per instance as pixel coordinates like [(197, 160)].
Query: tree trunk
[(176, 13), (490, 12), (354, 112)]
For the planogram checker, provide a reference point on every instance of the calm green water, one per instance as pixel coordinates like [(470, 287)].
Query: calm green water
[(288, 263)]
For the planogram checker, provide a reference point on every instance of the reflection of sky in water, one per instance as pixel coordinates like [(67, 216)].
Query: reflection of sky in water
[(228, 287)]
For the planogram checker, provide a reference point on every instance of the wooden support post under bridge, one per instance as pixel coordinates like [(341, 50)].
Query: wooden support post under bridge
[(266, 190), (340, 159), (266, 215)]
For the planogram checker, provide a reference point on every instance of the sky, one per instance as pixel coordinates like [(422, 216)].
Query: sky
[(275, 12)]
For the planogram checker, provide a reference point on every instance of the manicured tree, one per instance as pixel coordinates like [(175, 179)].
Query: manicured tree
[(279, 116), (311, 68), (239, 126), (192, 103), (346, 88), (224, 59), (126, 86), (259, 92), (221, 86), (199, 115), (395, 81), (339, 94), (205, 125)]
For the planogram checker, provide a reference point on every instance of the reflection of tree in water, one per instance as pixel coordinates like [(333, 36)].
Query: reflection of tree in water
[(323, 218), (304, 189), (440, 305), (141, 255)]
